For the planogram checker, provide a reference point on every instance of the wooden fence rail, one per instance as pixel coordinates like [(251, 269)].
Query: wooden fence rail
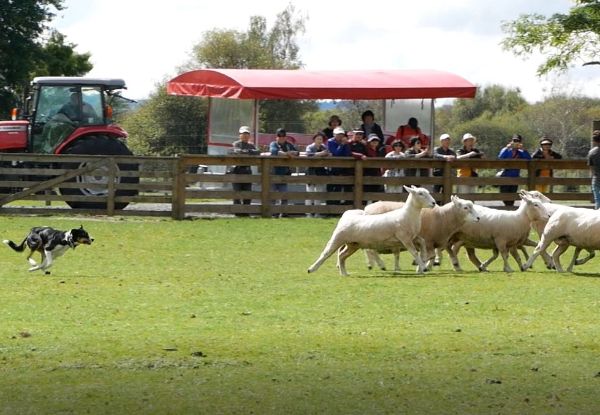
[(197, 184)]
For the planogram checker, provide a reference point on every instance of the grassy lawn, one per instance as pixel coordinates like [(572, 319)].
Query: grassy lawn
[(220, 317)]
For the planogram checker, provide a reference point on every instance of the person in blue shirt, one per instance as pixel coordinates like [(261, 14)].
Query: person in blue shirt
[(339, 146), (513, 150), (281, 147)]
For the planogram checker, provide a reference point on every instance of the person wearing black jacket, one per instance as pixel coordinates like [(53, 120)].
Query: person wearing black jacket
[(369, 126)]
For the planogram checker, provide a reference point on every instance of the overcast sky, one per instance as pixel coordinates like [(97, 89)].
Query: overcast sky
[(144, 41)]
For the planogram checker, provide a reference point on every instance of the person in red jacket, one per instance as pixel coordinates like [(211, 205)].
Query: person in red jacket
[(408, 131)]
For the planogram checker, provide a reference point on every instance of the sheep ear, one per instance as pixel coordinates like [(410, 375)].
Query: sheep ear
[(454, 198), (408, 189)]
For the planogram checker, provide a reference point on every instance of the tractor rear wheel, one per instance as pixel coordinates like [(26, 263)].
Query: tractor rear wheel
[(98, 145)]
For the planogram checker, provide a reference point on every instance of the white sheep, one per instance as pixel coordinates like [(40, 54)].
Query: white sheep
[(570, 226), (498, 230), (385, 231), (539, 226), (437, 226)]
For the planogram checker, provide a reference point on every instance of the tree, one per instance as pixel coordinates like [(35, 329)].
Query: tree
[(259, 48), (166, 125), (563, 38), (59, 58), (24, 52)]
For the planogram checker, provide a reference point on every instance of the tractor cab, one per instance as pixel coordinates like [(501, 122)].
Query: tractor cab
[(65, 108)]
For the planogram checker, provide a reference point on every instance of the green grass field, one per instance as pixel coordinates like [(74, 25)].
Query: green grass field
[(220, 317)]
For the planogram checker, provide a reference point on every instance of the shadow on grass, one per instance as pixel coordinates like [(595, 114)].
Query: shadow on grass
[(587, 274), (412, 274)]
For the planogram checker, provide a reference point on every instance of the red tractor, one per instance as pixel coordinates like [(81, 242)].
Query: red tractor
[(70, 115)]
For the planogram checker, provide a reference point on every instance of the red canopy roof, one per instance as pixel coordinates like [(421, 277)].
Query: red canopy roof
[(301, 84)]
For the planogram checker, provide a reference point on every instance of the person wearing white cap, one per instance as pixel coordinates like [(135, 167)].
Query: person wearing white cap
[(443, 152), (245, 148), (545, 152), (468, 151), (338, 146), (316, 149)]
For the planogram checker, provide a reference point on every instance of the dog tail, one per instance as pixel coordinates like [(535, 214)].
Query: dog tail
[(18, 248)]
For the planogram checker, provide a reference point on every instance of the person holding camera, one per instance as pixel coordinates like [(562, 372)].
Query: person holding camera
[(545, 152), (513, 150)]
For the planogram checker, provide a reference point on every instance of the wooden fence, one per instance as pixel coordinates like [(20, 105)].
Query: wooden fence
[(178, 187)]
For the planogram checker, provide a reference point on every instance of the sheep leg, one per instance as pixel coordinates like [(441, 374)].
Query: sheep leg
[(452, 252), (504, 252), (574, 259), (438, 257), (350, 249), (540, 247), (515, 254), (340, 250), (560, 249), (373, 256), (590, 255), (423, 248), (396, 252), (475, 261), (547, 259), (410, 247), (332, 246)]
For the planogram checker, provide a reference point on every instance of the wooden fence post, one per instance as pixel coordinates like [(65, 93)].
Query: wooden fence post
[(178, 198), (358, 184), (531, 179), (265, 187), (447, 183), (110, 202)]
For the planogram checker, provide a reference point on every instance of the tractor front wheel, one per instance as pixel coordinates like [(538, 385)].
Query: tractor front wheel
[(98, 145)]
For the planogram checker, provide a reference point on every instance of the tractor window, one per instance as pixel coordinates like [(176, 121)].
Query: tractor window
[(51, 125), (93, 113)]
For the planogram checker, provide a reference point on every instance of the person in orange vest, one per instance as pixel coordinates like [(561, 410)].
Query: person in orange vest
[(545, 152), (408, 131)]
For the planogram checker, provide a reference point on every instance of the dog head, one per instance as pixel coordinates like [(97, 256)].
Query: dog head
[(80, 236)]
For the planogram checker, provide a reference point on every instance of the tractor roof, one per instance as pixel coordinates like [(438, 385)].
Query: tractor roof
[(107, 83)]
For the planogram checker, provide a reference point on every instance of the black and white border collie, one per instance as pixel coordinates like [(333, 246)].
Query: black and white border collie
[(50, 243)]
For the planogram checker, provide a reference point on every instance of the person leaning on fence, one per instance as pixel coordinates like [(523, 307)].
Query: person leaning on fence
[(417, 150), (468, 151), (339, 146), (397, 153), (443, 152), (374, 149), (243, 147), (334, 121), (281, 147), (316, 149), (545, 152), (513, 150), (593, 160)]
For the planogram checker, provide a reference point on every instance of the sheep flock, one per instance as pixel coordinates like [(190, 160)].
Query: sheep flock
[(425, 230)]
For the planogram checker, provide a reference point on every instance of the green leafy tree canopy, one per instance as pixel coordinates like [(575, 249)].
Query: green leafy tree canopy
[(563, 38)]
